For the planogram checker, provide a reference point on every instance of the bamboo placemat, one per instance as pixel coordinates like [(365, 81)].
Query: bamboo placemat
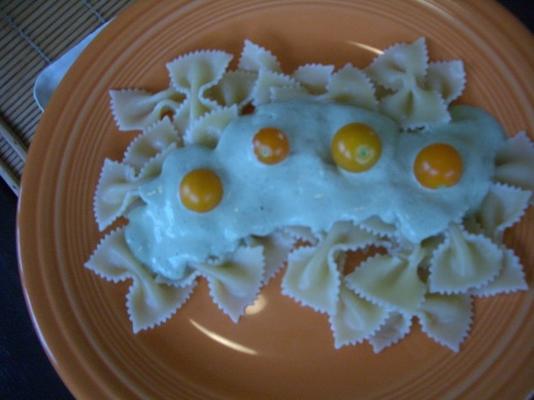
[(34, 33)]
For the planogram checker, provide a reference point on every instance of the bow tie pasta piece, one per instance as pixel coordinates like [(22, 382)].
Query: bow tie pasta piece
[(395, 328), (276, 248), (349, 85), (446, 78), (135, 109), (151, 142), (314, 77), (312, 81), (414, 107), (400, 65), (152, 168), (463, 261), (235, 283), (235, 87), (255, 58), (376, 226), (117, 188), (502, 207), (446, 319), (181, 117), (421, 91), (390, 281), (510, 279), (268, 80), (148, 303), (515, 162), (302, 233), (430, 245), (194, 73), (310, 281), (286, 93), (312, 276), (207, 129), (355, 319)]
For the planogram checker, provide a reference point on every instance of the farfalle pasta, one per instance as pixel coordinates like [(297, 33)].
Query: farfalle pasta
[(154, 139), (351, 86), (396, 326), (510, 278), (235, 282), (267, 81), (255, 58), (515, 162), (502, 207), (207, 129), (355, 319), (314, 77), (446, 78), (313, 274), (239, 174), (421, 90), (193, 74), (234, 88), (135, 109), (391, 282), (149, 303), (463, 261), (446, 318), (116, 190), (276, 248)]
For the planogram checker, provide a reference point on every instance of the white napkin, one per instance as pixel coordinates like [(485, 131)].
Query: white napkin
[(49, 78)]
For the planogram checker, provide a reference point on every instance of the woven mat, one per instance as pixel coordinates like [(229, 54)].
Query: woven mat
[(34, 33)]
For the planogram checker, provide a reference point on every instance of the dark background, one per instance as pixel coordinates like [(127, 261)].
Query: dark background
[(25, 372)]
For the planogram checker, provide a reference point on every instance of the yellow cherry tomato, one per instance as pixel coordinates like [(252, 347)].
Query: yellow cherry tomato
[(438, 165), (356, 147), (201, 190), (270, 145)]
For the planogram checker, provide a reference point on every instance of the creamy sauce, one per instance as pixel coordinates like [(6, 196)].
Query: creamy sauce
[(307, 188)]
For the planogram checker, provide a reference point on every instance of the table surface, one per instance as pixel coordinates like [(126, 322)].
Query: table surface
[(25, 372)]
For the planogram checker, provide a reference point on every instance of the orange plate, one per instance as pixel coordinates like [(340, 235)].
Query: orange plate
[(284, 350)]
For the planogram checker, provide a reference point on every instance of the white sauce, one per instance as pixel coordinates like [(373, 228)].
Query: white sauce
[(307, 188)]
